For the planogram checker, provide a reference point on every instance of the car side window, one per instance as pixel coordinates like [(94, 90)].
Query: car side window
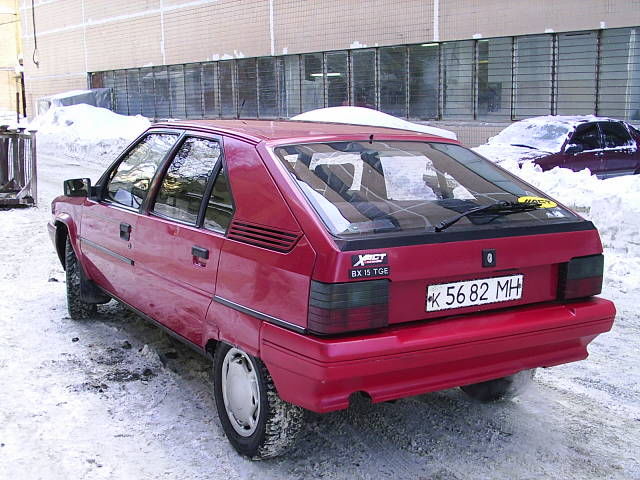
[(220, 207), (130, 181), (587, 136), (185, 182), (615, 135)]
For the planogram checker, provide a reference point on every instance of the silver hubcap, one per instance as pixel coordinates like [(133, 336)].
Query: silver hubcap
[(240, 392)]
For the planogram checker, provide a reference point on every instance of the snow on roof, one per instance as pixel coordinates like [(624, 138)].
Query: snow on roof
[(370, 117), (546, 133)]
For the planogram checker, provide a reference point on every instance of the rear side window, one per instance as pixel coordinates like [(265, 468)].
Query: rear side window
[(184, 184), (587, 136), (220, 206), (393, 188), (130, 181), (615, 135)]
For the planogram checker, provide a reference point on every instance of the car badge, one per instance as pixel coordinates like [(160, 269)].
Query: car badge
[(489, 257)]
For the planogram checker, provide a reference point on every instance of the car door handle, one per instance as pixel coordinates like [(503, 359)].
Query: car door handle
[(125, 231), (200, 252)]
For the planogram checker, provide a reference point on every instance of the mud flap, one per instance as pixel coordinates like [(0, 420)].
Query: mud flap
[(90, 292)]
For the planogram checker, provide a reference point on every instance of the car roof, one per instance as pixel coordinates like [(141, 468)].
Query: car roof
[(295, 131), (572, 120)]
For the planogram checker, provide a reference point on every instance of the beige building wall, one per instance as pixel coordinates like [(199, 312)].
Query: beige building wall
[(9, 53), (78, 36), (460, 19)]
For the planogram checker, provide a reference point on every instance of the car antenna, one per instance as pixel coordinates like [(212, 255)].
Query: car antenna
[(241, 107), (371, 138)]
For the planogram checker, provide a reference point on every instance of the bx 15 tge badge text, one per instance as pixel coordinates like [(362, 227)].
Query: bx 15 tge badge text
[(369, 265)]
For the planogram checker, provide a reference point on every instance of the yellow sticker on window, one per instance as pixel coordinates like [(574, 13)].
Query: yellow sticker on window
[(542, 202)]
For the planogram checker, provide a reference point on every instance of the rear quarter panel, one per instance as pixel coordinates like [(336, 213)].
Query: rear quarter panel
[(268, 281)]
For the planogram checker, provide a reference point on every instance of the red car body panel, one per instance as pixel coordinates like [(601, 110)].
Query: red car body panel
[(256, 296), (320, 374)]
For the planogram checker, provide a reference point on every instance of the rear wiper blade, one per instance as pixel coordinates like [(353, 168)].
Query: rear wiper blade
[(498, 208)]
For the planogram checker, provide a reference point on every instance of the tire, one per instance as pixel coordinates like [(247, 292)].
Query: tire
[(78, 309), (504, 388), (256, 421)]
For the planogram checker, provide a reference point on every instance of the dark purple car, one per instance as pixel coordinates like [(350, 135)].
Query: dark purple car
[(605, 146)]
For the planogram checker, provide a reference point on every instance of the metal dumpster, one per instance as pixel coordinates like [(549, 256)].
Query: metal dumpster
[(18, 178)]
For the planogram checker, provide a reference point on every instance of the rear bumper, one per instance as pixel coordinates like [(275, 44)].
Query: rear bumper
[(320, 374)]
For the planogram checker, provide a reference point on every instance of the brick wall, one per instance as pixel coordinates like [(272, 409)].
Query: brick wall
[(76, 36)]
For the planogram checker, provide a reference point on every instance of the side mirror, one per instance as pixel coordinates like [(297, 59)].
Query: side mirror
[(77, 187), (573, 148)]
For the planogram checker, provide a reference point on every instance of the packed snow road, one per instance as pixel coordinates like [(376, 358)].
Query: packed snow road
[(114, 397)]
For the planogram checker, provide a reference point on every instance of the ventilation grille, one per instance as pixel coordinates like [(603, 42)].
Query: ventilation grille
[(260, 236)]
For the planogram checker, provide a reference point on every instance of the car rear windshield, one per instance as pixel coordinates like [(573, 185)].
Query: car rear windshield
[(390, 188)]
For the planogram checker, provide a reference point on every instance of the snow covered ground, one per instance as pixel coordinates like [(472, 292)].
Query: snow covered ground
[(114, 397)]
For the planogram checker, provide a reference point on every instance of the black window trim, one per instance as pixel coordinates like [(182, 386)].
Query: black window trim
[(156, 182), (101, 185), (221, 165), (149, 203)]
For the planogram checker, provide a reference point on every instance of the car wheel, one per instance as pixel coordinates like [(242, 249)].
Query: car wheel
[(77, 308), (256, 421), (501, 388)]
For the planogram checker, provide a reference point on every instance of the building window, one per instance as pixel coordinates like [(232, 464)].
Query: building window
[(619, 74), (120, 92), (161, 89), (147, 92), (577, 71), (290, 98), (193, 90), (424, 80), (393, 80), (533, 76), (267, 88), (227, 89), (247, 88), (176, 91), (457, 80), (494, 79), (134, 99), (210, 90), (96, 79), (363, 78), (312, 82), (337, 78), (494, 70)]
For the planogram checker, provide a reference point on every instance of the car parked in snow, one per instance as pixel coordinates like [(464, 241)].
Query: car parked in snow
[(313, 262), (605, 146)]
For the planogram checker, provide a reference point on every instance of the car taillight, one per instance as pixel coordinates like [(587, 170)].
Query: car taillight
[(347, 307), (581, 277)]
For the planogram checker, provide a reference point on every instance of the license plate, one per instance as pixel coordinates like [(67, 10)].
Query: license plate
[(446, 296)]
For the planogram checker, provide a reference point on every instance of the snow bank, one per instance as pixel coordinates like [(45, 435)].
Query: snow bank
[(367, 116), (86, 133), (613, 205)]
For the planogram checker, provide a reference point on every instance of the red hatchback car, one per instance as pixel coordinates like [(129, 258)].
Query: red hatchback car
[(315, 261)]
